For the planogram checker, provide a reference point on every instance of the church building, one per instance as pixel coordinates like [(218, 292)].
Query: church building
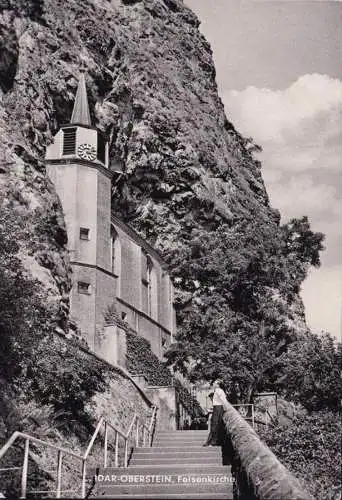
[(112, 264)]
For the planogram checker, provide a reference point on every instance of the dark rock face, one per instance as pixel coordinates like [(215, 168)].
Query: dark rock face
[(152, 89)]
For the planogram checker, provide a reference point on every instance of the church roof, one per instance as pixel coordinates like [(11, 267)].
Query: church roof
[(80, 113)]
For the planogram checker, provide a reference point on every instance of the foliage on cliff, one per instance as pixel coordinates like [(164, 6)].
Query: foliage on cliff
[(310, 447)]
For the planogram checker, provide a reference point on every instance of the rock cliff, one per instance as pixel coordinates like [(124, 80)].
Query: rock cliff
[(187, 174)]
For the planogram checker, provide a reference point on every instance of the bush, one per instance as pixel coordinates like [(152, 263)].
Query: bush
[(311, 373), (310, 448)]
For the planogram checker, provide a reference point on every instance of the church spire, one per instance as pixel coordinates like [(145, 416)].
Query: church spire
[(80, 114)]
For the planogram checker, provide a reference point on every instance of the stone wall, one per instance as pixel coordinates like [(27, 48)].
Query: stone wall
[(172, 409), (259, 474), (165, 399)]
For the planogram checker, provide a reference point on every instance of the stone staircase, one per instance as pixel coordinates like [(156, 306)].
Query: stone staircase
[(176, 466)]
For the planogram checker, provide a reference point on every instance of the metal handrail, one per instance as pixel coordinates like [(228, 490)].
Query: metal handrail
[(61, 452), (252, 418), (152, 424)]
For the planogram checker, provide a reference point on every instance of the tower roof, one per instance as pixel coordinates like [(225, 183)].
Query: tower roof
[(80, 113)]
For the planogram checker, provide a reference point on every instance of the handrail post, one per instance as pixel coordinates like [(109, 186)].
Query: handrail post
[(84, 470), (59, 474), (25, 469), (126, 452), (116, 449), (253, 416), (144, 436), (137, 434), (105, 445)]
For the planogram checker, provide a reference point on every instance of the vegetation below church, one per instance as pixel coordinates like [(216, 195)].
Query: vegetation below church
[(310, 447), (142, 361)]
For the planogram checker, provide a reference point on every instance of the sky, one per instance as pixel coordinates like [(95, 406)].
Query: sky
[(279, 74)]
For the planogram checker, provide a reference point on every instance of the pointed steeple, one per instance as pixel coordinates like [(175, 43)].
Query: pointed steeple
[(80, 113)]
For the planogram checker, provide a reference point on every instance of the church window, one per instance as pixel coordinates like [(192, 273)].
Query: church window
[(115, 253), (69, 141), (101, 148), (148, 279), (84, 233), (83, 287), (149, 286)]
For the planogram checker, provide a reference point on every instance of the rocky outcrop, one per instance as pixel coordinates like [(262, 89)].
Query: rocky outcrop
[(186, 171)]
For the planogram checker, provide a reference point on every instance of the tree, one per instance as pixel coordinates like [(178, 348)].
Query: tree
[(311, 373), (302, 242), (22, 311), (237, 287)]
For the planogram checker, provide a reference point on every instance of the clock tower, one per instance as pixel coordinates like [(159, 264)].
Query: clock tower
[(77, 164)]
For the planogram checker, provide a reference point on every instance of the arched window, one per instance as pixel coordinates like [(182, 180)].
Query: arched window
[(115, 253), (149, 286), (149, 268)]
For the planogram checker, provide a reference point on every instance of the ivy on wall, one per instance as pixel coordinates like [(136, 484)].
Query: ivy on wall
[(141, 360), (188, 400)]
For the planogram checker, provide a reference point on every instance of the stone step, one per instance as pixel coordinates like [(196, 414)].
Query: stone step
[(161, 469), (178, 433), (182, 435), (178, 442), (181, 439), (215, 460), (162, 489), (180, 452), (174, 449), (170, 496)]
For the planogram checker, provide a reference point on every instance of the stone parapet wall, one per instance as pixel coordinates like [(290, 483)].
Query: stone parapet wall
[(259, 474)]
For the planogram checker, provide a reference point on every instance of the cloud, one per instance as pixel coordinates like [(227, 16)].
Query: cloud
[(322, 297), (300, 131), (271, 114)]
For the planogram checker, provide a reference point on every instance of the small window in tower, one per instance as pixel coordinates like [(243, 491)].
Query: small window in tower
[(69, 141), (83, 287), (84, 233), (101, 148)]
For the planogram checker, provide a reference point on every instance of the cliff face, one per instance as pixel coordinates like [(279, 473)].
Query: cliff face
[(187, 173)]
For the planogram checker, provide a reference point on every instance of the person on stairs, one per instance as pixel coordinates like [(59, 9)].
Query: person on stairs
[(216, 434)]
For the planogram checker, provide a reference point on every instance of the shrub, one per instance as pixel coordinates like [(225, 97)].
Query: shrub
[(310, 448)]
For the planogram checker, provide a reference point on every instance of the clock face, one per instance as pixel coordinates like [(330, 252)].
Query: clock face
[(87, 152)]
